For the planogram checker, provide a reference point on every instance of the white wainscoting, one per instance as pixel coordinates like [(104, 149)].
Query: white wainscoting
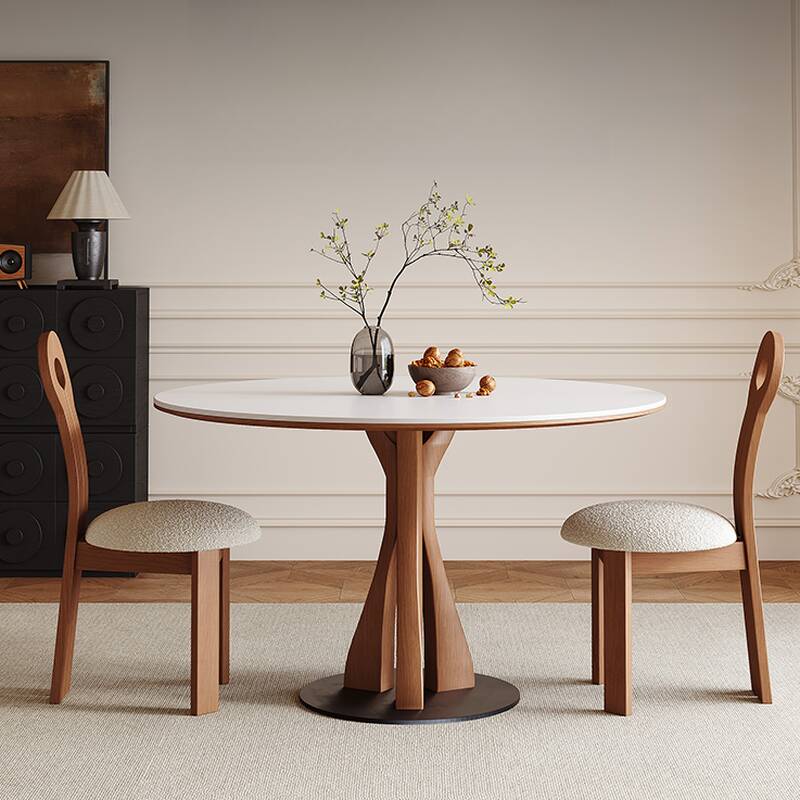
[(635, 162), (501, 494)]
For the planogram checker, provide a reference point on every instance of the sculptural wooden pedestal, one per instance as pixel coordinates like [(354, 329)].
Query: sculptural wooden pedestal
[(431, 677)]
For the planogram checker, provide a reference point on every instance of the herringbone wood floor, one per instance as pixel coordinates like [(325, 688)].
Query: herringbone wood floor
[(472, 582)]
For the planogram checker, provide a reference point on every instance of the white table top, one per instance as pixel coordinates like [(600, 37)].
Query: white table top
[(334, 403)]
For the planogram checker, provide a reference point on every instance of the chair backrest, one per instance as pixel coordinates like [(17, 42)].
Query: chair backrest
[(58, 388), (764, 384)]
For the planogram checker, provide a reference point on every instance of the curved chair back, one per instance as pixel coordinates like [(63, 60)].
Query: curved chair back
[(764, 384), (58, 388)]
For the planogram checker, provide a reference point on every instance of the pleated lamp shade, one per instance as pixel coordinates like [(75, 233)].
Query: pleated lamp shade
[(88, 194)]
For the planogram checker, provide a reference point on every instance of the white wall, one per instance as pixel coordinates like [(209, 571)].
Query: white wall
[(632, 161)]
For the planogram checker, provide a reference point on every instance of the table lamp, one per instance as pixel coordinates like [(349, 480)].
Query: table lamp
[(89, 199)]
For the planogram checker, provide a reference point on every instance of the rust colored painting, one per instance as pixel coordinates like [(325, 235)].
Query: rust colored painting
[(53, 120)]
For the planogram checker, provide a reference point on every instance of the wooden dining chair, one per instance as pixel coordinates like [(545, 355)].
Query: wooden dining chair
[(185, 537), (647, 537)]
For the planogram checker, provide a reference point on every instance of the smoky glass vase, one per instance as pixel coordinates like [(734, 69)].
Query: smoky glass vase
[(372, 361)]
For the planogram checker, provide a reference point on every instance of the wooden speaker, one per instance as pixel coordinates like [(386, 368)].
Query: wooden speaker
[(15, 262)]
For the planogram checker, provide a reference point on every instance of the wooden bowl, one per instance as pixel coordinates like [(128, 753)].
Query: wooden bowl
[(446, 379)]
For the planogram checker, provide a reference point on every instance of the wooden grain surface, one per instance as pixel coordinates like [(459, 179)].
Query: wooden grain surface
[(409, 686), (472, 582)]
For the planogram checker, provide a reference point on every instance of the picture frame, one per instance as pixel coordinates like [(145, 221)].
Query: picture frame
[(59, 121)]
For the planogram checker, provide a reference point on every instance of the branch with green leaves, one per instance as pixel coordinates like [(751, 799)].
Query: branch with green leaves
[(436, 229), (336, 248)]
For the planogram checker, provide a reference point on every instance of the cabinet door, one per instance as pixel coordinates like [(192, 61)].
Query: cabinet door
[(104, 390), (22, 400), (28, 465), (29, 538), (23, 316), (111, 461), (94, 323)]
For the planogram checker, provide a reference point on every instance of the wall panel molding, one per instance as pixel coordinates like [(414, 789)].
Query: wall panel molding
[(456, 284), (788, 484), (455, 522), (486, 347), (608, 378), (334, 492), (479, 313)]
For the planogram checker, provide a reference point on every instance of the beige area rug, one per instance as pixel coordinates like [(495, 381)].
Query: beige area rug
[(123, 732)]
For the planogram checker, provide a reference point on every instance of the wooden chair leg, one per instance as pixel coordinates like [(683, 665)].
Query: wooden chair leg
[(225, 616), (617, 591), (65, 636), (205, 631), (598, 665), (753, 605)]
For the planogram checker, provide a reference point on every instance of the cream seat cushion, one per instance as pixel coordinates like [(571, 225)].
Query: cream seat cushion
[(172, 526), (648, 526)]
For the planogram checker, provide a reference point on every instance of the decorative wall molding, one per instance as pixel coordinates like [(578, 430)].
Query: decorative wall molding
[(455, 522), (487, 348), (334, 492), (610, 378), (790, 388), (788, 484), (785, 485), (412, 284), (787, 275), (475, 314)]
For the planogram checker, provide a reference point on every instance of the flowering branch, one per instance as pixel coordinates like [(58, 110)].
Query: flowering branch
[(437, 229)]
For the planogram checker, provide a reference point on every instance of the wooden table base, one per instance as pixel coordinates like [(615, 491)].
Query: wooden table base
[(409, 594)]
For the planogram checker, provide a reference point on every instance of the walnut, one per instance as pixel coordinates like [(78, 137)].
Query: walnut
[(454, 359), (412, 394), (488, 383), (483, 393), (470, 394), (432, 357), (457, 394), (469, 363), (425, 388)]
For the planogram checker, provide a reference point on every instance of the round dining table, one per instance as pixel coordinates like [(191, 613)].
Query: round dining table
[(409, 661)]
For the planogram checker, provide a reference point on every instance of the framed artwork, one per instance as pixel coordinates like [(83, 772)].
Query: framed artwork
[(54, 120)]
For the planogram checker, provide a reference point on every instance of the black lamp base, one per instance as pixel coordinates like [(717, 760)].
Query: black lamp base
[(89, 249)]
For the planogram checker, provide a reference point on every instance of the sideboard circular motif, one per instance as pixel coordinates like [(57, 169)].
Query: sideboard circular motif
[(21, 322), (21, 391), (21, 467), (105, 467), (98, 391), (96, 323), (20, 536)]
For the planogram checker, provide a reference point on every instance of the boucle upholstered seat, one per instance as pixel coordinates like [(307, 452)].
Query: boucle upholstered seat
[(648, 526), (172, 526)]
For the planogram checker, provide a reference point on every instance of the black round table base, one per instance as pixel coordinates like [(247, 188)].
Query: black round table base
[(490, 696)]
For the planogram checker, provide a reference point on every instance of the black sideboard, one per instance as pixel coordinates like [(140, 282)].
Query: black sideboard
[(105, 335)]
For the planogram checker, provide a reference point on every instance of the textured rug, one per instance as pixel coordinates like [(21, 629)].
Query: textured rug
[(124, 732)]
